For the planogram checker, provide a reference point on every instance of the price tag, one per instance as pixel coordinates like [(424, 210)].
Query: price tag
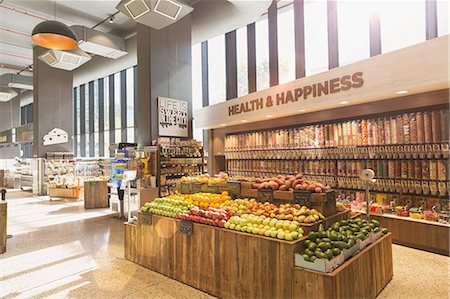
[(234, 188), (185, 188), (302, 197), (146, 219), (213, 189), (186, 227), (331, 197), (265, 195), (196, 187)]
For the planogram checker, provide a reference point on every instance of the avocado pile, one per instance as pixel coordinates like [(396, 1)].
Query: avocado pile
[(324, 244)]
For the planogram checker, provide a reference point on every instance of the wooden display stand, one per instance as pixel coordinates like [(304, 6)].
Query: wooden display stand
[(231, 264), (63, 192), (96, 194), (429, 236), (3, 222), (147, 195), (2, 178), (363, 276)]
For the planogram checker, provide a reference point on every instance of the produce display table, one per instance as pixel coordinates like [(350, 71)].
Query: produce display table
[(63, 192), (363, 276), (420, 234), (222, 262), (96, 194)]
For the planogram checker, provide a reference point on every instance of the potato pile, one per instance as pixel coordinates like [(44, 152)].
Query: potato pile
[(289, 183)]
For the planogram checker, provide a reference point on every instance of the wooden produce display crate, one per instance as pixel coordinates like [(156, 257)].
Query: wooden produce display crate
[(147, 195), (96, 194), (420, 234), (362, 276), (222, 262), (63, 192)]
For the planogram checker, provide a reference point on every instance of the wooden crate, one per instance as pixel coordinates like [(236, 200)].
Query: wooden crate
[(433, 237), (224, 263), (362, 276), (63, 192), (96, 195), (325, 203), (147, 195)]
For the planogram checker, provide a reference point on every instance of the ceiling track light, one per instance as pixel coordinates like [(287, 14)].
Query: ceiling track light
[(111, 20)]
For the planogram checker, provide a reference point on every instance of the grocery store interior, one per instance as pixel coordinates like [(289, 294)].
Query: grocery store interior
[(224, 149)]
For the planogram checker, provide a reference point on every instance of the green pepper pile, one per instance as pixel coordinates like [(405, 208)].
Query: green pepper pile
[(325, 244)]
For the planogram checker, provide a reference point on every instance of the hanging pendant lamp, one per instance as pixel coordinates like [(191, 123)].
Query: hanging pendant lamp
[(54, 34)]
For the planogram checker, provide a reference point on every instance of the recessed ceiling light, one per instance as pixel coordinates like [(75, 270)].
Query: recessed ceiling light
[(401, 92), (343, 102), (243, 121), (269, 116), (301, 110), (223, 125)]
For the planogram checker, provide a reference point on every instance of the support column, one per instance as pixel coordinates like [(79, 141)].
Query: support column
[(53, 105), (164, 69)]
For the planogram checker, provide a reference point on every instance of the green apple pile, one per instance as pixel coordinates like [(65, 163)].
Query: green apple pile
[(265, 226), (166, 207)]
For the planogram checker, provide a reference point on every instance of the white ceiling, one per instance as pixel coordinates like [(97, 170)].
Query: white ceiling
[(19, 17)]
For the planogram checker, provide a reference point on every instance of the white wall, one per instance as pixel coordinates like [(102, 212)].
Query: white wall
[(99, 67)]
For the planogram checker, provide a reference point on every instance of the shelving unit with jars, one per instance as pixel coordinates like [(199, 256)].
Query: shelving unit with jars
[(409, 153)]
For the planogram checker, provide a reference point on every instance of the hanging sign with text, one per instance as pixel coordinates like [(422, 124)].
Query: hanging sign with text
[(306, 92), (172, 117)]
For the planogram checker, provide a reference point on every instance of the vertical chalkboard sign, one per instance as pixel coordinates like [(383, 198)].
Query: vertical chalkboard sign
[(213, 189), (146, 219), (302, 197), (185, 188), (196, 187), (265, 195), (331, 197), (234, 188), (186, 227)]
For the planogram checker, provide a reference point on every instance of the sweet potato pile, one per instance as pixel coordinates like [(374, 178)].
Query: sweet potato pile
[(290, 183)]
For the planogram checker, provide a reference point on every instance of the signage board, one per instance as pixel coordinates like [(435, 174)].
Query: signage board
[(302, 197), (172, 117), (186, 227)]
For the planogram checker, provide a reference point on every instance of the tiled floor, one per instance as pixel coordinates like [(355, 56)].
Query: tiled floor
[(61, 251)]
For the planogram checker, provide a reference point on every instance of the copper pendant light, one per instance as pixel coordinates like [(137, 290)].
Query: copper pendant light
[(54, 35)]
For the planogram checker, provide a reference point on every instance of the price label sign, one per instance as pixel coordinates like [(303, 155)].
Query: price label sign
[(302, 197), (265, 195), (331, 197), (196, 188), (185, 188), (186, 227), (234, 188), (146, 219), (213, 189)]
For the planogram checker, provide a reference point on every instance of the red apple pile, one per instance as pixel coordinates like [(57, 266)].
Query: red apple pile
[(210, 216)]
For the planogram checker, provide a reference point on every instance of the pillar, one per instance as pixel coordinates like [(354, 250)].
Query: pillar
[(53, 105), (164, 69)]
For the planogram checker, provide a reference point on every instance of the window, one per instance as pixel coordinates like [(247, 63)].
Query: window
[(130, 99), (117, 111), (400, 33), (286, 44), (86, 117), (353, 31), (106, 101), (91, 141), (242, 61), (197, 100), (442, 16), (316, 37), (216, 69), (96, 107), (262, 54)]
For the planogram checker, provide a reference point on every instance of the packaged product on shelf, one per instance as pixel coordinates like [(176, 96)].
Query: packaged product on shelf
[(417, 169), (370, 132), (413, 128), (420, 127), (375, 132), (428, 133), (393, 127), (399, 129), (406, 129), (433, 170), (425, 169), (436, 126), (404, 169), (444, 125), (387, 130), (411, 173), (442, 170)]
